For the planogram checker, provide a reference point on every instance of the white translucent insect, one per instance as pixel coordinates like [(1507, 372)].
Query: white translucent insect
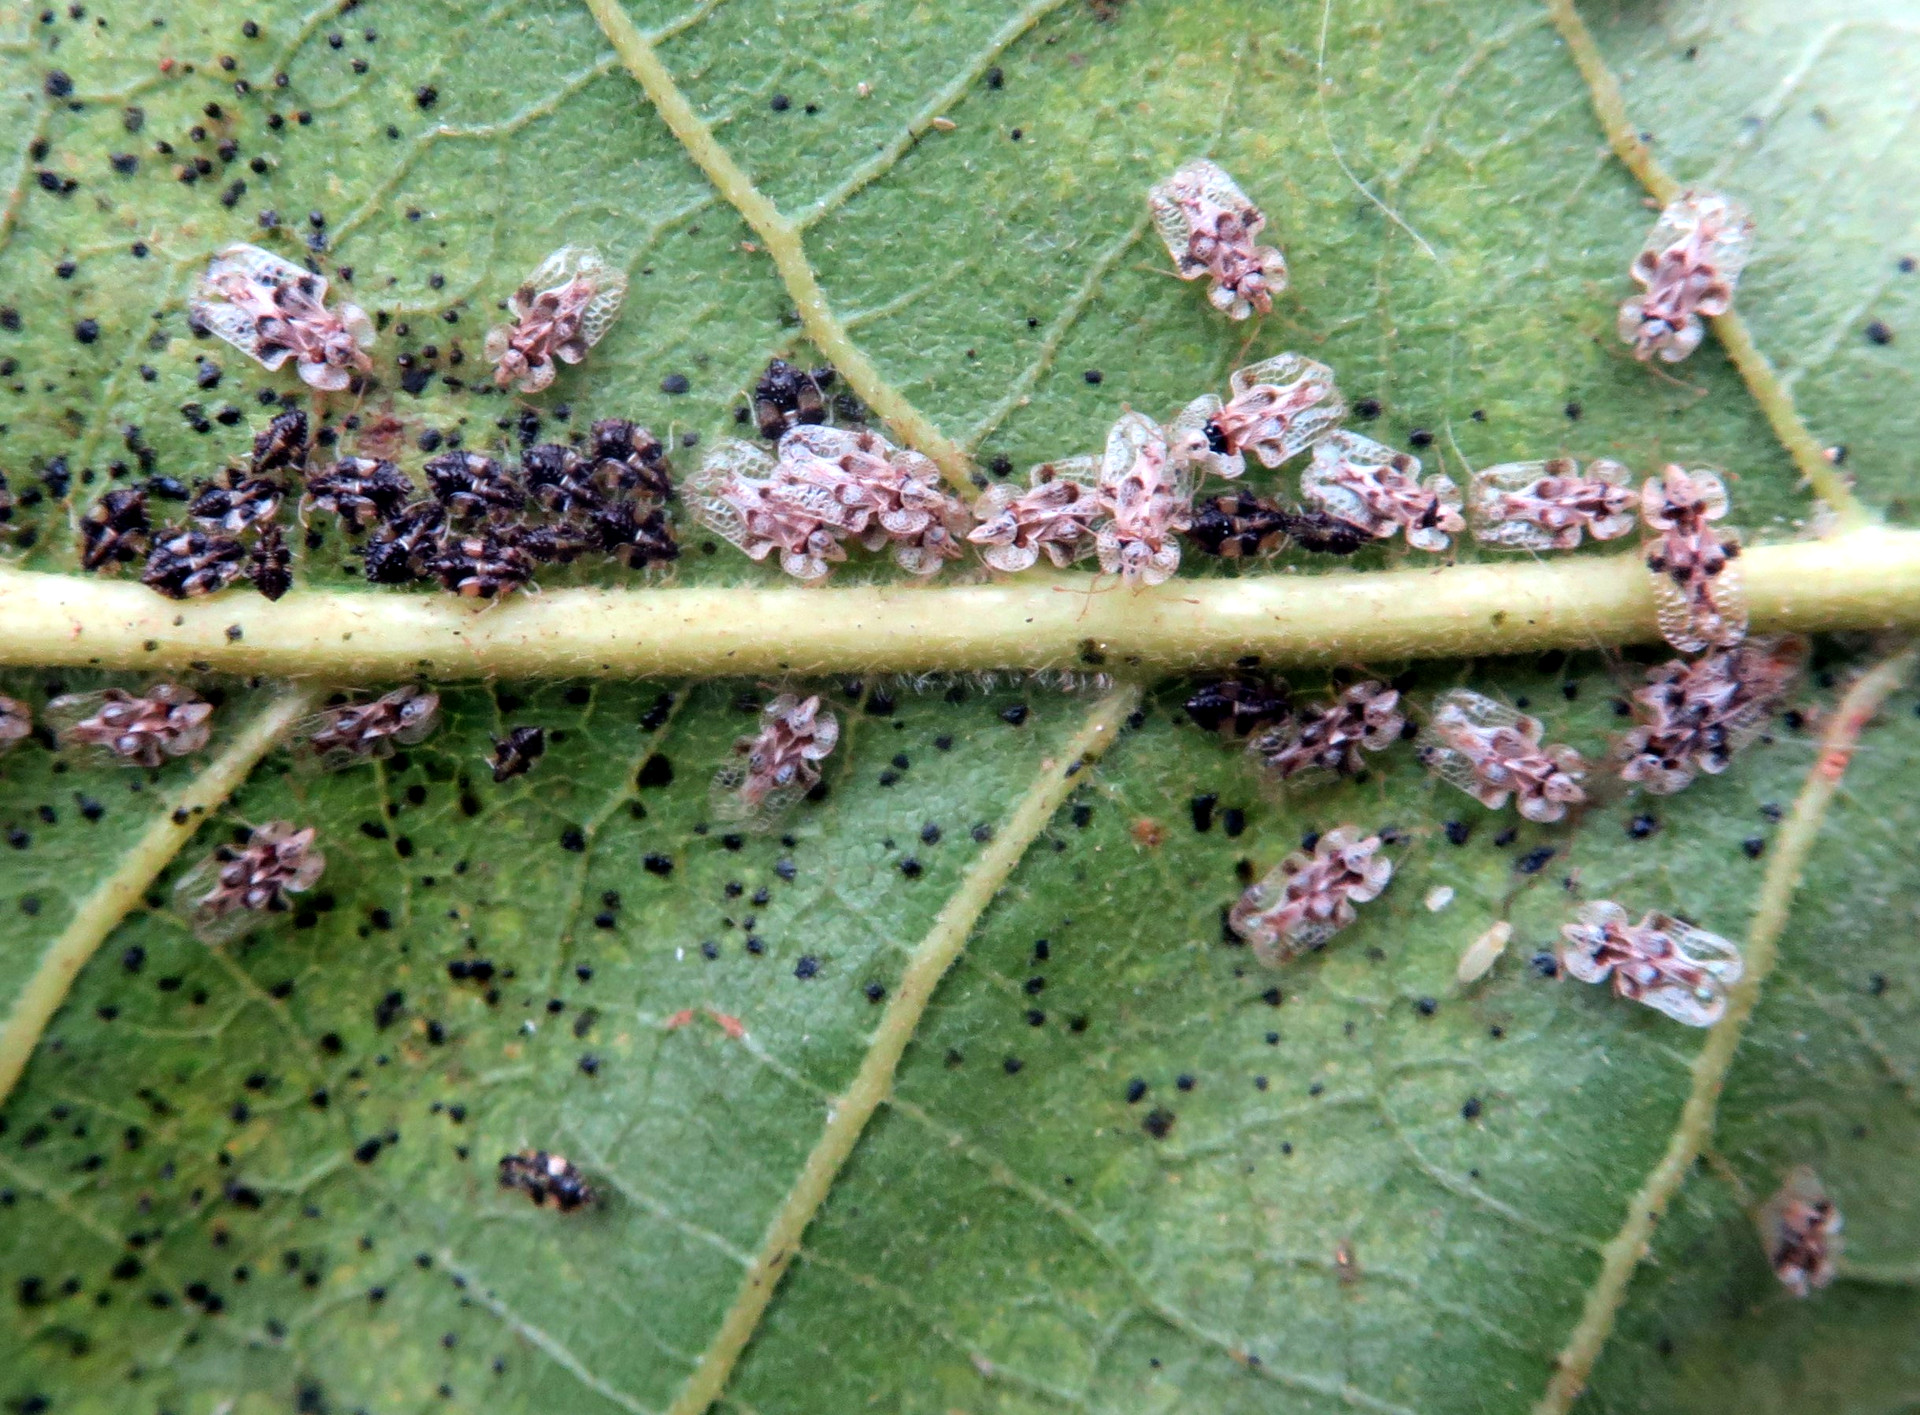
[(563, 310), (1800, 1230), (1669, 965), (16, 722), (1693, 717), (1492, 753), (911, 510), (231, 890), (273, 311), (1280, 407), (1147, 499), (1209, 225), (1438, 898), (1309, 896), (1696, 577), (778, 764), (167, 721), (351, 733), (1688, 267), (1483, 952), (736, 496), (1549, 505), (1369, 485), (1327, 739), (1055, 512)]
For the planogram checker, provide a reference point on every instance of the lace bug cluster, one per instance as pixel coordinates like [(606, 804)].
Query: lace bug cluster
[(484, 526)]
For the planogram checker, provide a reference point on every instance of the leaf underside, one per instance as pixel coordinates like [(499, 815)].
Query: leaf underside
[(266, 1175)]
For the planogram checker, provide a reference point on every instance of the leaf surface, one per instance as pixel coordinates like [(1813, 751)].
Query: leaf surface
[(265, 1176)]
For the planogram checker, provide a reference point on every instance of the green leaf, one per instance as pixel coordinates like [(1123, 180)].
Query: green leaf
[(264, 1176)]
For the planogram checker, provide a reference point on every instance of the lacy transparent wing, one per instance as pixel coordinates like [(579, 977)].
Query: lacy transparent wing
[(239, 328)]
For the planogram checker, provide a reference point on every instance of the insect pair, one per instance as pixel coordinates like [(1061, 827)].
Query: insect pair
[(827, 486), (273, 311), (1550, 505)]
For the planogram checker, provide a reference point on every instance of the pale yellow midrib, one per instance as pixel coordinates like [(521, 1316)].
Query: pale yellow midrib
[(1866, 579)]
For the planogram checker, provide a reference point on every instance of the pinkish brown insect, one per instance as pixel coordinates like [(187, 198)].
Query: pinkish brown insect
[(273, 311), (1688, 267), (1669, 965), (1368, 484), (1148, 501), (779, 764), (911, 511), (1492, 753), (1695, 578), (1309, 896), (1549, 505), (167, 721), (227, 893), (1280, 407), (1055, 513), (1327, 738), (356, 732), (1694, 716), (1800, 1230), (16, 723), (562, 310), (737, 495), (1209, 228)]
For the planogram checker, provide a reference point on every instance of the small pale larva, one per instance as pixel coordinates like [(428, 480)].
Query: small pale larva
[(1483, 952)]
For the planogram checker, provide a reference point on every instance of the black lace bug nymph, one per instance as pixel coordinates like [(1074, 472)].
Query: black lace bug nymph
[(1238, 525), (482, 565), (787, 396), (185, 564), (636, 540), (270, 564), (1240, 705), (359, 490), (282, 443), (549, 1180), (114, 530), (516, 752), (470, 484), (1325, 534), (235, 500), (626, 457), (398, 552), (559, 478)]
